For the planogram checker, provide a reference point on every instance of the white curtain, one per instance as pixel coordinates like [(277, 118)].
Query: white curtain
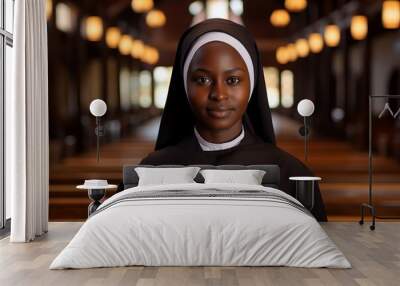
[(27, 124)]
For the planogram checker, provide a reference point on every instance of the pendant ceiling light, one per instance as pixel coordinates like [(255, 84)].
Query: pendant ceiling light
[(302, 48), (125, 45), (142, 6), (150, 55), (316, 42), (66, 18), (295, 5), (332, 35), (282, 56), (93, 28), (280, 18), (113, 36), (49, 9), (137, 49), (391, 14), (155, 18), (292, 52), (359, 27)]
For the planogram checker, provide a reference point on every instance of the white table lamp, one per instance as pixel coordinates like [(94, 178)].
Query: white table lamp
[(305, 108), (98, 108)]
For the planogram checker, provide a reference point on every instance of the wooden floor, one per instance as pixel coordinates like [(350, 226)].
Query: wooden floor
[(343, 168), (374, 255)]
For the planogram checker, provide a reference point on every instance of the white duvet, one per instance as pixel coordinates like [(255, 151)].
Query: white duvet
[(200, 231)]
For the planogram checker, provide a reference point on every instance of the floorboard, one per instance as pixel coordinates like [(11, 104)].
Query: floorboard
[(374, 255)]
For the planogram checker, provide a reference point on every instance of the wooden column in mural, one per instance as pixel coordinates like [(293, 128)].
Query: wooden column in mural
[(153, 84), (120, 60), (346, 76), (104, 54), (79, 63), (364, 104)]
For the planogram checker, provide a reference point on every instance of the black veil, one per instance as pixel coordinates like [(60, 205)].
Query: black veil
[(177, 120)]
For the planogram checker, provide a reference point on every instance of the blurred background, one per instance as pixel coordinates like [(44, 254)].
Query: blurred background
[(334, 52)]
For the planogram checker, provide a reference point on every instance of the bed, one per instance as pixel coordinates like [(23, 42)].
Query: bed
[(198, 224)]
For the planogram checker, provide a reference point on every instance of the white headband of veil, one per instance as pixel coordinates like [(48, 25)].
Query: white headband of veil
[(225, 38)]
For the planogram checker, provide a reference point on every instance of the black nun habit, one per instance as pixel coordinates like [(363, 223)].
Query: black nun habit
[(176, 143)]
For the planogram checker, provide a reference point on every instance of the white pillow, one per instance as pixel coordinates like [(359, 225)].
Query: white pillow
[(248, 177), (162, 176)]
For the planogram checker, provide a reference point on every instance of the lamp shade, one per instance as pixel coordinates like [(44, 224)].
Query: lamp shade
[(155, 18), (316, 42), (359, 27), (302, 48), (391, 14), (280, 18), (93, 28), (295, 5), (137, 49), (305, 107), (282, 55), (98, 107), (292, 52), (154, 56), (140, 6), (113, 36), (150, 55), (49, 9), (125, 45), (332, 35)]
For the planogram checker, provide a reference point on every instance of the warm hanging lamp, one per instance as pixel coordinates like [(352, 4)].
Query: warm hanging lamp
[(155, 19), (125, 45), (332, 35), (302, 48), (316, 42), (137, 49), (142, 6), (150, 55), (295, 5), (391, 14), (93, 26), (282, 56), (113, 36), (292, 52), (49, 9), (280, 18), (359, 27)]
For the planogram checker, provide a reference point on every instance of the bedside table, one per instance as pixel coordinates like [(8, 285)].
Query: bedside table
[(96, 191), (305, 190)]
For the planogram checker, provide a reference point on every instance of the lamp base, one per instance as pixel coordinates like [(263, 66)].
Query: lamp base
[(373, 213), (95, 195)]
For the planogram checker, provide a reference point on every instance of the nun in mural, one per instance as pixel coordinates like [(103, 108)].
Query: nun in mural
[(217, 108)]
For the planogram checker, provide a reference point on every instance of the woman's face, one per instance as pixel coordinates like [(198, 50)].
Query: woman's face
[(218, 87)]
